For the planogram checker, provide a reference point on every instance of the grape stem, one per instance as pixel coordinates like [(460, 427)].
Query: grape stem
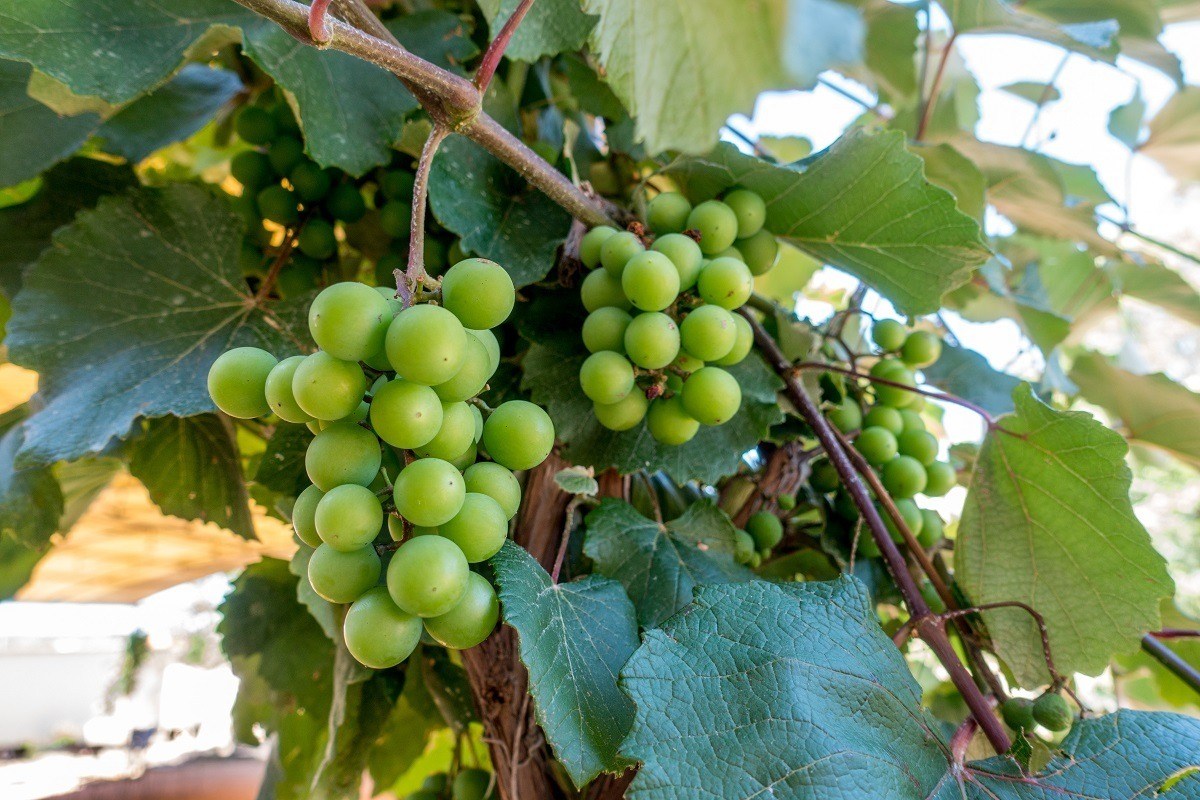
[(1171, 660), (495, 50), (317, 28), (1174, 633), (410, 282), (290, 236), (931, 100)]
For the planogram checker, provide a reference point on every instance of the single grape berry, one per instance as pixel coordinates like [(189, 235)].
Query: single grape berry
[(317, 239), (378, 633), (601, 290), (518, 435), (456, 434), (467, 624), (652, 340), (786, 502), (304, 512), (909, 512), (604, 329), (624, 414), (472, 784), (427, 576), (895, 396), (343, 577), (650, 281), (759, 251), (725, 282), (888, 335), (346, 203), (1017, 713), (328, 388), (394, 218), (766, 529), (743, 546), (397, 184), (669, 423), (921, 349), (903, 476), (884, 417), (492, 345), (237, 381), (285, 153), (846, 416), (406, 415), (426, 344), (1052, 712), (668, 213), (438, 783), (606, 377), (824, 476), (750, 210), (429, 492), (479, 528), (252, 170), (684, 254), (479, 292), (940, 478), (708, 333), (921, 445), (278, 205), (711, 396), (343, 453), (717, 225), (932, 528), (349, 320), (877, 445), (589, 246), (497, 482), (255, 125), (911, 419), (742, 343), (310, 181), (617, 250), (472, 376), (348, 517)]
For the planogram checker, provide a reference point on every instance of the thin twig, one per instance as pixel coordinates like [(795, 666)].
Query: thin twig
[(871, 108), (290, 235), (1174, 633), (1170, 248), (495, 50), (566, 536), (949, 398), (1044, 97), (410, 282), (1171, 660), (931, 103), (1055, 676)]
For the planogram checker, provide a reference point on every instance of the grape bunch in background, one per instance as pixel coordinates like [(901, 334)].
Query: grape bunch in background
[(391, 395), (662, 322)]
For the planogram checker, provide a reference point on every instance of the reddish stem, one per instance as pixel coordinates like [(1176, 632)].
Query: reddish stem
[(408, 283), (317, 28), (1174, 633), (495, 50), (949, 398), (927, 112)]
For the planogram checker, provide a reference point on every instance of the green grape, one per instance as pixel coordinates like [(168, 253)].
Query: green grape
[(479, 292), (343, 453), (824, 476), (479, 528), (606, 377), (456, 434), (887, 366), (343, 577), (314, 427), (428, 575), (389, 468), (237, 381), (894, 396), (388, 293), (278, 205), (669, 423), (685, 362), (652, 340), (616, 251), (731, 252), (349, 320), (921, 349), (395, 217), (284, 121), (932, 528), (426, 344), (847, 416), (285, 153), (466, 458), (348, 517), (589, 246), (742, 343), (911, 419), (518, 435), (472, 377), (429, 492), (497, 482), (377, 633), (717, 225), (422, 794), (328, 388), (903, 476), (397, 184), (884, 417), (759, 251), (255, 125), (674, 383), (604, 329), (755, 561), (623, 414), (877, 445), (252, 170), (435, 256), (406, 415), (475, 412), (917, 405), (650, 281), (844, 506), (750, 210), (436, 784), (940, 479), (304, 516), (346, 203), (492, 345), (668, 213), (888, 335), (601, 290), (921, 445), (743, 546), (1052, 712), (1018, 713), (909, 513), (684, 254), (766, 529), (310, 181), (708, 333), (469, 622), (711, 396), (473, 784), (279, 391), (357, 415), (725, 282), (317, 239)]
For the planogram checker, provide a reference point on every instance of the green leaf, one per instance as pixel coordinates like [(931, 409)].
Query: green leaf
[(574, 639), (1153, 409), (1174, 138), (1039, 94), (403, 736), (323, 611), (891, 47), (33, 137), (683, 68), (659, 565), (863, 206), (550, 27), (281, 466), (437, 36), (170, 113), (1125, 121), (954, 172), (362, 704), (577, 480), (31, 502), (17, 563), (1095, 39), (1152, 282), (124, 314), (967, 374), (1048, 522)]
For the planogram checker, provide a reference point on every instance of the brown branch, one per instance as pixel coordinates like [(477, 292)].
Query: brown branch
[(931, 102), (317, 28), (1174, 633), (495, 50), (944, 396)]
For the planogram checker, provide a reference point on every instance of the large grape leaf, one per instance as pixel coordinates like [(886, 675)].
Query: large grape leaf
[(765, 690), (1048, 522), (968, 375), (864, 206), (660, 565), (574, 639), (1152, 282), (1174, 139), (31, 501), (683, 68), (1096, 39), (550, 27), (32, 136), (281, 466), (126, 311)]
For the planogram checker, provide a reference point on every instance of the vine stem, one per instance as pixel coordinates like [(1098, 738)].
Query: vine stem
[(495, 50), (1170, 248), (949, 398), (1171, 660), (931, 103), (409, 282), (317, 28), (928, 626)]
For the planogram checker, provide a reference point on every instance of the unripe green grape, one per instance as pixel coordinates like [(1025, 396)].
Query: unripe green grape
[(601, 290), (426, 344), (397, 184), (716, 224), (708, 333), (755, 561), (940, 478), (378, 633), (911, 419), (479, 528), (314, 427), (685, 362), (429, 492), (475, 412), (766, 529), (518, 435), (684, 254), (348, 517), (725, 282), (317, 239), (466, 458), (255, 125), (328, 388), (395, 217), (471, 377), (669, 423), (342, 453), (497, 482), (427, 576), (456, 434), (877, 445), (1018, 713), (437, 783), (605, 377), (921, 445), (674, 383), (650, 281), (349, 320), (742, 344), (310, 181), (252, 170), (343, 577), (652, 340), (388, 293), (346, 203), (604, 329), (888, 366), (824, 476), (479, 292), (589, 246), (304, 512), (1052, 712), (406, 415), (845, 507), (888, 335), (884, 417), (617, 250), (668, 213), (492, 345), (278, 205), (357, 415), (932, 528), (279, 395), (909, 513), (472, 784), (237, 381), (786, 501), (604, 178), (285, 121), (917, 405), (285, 153), (743, 546), (749, 209), (921, 349), (711, 396), (759, 251), (895, 396), (471, 621), (903, 476), (847, 416), (624, 414)]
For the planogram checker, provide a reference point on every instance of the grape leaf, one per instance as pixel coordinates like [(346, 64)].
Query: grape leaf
[(1174, 138), (890, 48), (954, 172), (32, 136), (659, 565), (967, 374), (17, 562), (281, 466), (191, 467), (1037, 93), (574, 638), (406, 731), (577, 480), (863, 206), (124, 314), (1152, 282), (1048, 521), (1095, 39), (31, 501), (437, 36), (1125, 121), (550, 27)]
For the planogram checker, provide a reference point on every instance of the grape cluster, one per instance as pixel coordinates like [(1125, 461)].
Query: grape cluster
[(661, 325), (892, 437), (754, 544), (1050, 711), (467, 784), (388, 395)]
